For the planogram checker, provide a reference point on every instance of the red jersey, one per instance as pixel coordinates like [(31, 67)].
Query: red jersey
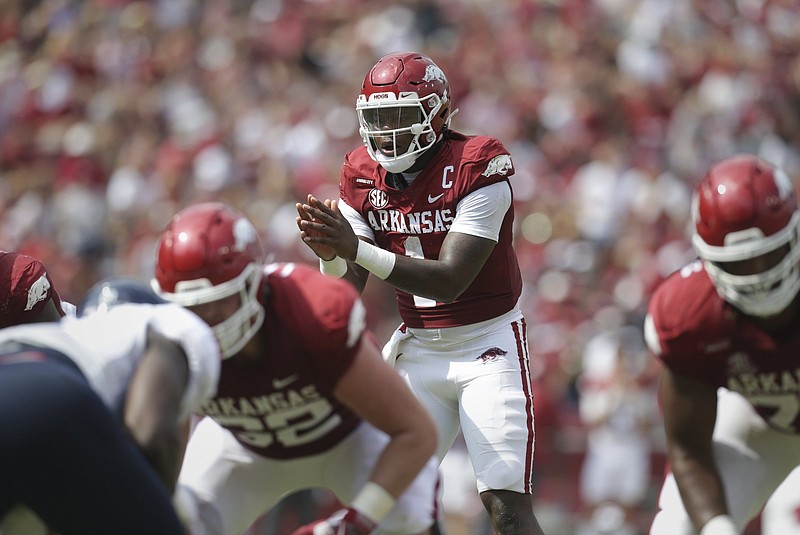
[(281, 405), (703, 337), (26, 289), (414, 222)]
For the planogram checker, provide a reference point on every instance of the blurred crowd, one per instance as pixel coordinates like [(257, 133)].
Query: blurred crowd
[(115, 114)]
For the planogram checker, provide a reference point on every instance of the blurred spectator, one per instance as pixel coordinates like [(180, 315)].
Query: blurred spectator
[(617, 405), (115, 114)]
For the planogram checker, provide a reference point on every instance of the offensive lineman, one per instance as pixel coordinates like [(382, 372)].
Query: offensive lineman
[(730, 320), (304, 400)]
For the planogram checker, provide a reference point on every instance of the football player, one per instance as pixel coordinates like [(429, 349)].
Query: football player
[(726, 329), (27, 294), (429, 210), (304, 400), (65, 389)]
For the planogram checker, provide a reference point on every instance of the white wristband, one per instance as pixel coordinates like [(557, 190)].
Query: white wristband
[(378, 261), (335, 268), (720, 525), (374, 502)]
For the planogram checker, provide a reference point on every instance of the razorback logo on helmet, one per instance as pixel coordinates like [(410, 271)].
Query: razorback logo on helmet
[(243, 234), (433, 72), (38, 292), (784, 184), (498, 165)]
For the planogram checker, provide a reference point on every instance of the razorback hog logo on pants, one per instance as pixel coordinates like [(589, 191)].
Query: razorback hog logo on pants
[(491, 354)]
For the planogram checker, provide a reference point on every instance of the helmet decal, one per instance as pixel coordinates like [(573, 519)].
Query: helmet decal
[(244, 234), (785, 188), (433, 72), (109, 293)]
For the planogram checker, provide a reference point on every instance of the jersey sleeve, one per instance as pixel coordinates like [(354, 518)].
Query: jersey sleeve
[(684, 314), (481, 213), (201, 348), (486, 161), (330, 320), (357, 223), (25, 291), (340, 327), (353, 168)]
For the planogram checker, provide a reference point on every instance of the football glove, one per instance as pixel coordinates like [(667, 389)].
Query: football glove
[(342, 522)]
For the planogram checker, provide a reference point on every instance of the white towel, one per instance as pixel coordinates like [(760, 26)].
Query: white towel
[(391, 347)]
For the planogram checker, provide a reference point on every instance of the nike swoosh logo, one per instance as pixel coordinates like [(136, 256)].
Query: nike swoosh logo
[(278, 384), (432, 199)]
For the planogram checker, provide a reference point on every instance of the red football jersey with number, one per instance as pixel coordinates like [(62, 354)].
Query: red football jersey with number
[(414, 222), (281, 405), (703, 337), (25, 290)]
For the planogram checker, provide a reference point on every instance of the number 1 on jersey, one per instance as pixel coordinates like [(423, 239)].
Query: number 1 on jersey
[(414, 250)]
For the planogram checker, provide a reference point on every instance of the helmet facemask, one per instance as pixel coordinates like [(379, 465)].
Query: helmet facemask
[(235, 331), (761, 294), (386, 119)]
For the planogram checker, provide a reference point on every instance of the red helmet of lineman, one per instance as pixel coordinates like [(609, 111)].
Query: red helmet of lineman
[(746, 209), (403, 110), (208, 252)]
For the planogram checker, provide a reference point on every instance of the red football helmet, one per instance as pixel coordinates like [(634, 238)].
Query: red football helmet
[(404, 95), (745, 208), (207, 252)]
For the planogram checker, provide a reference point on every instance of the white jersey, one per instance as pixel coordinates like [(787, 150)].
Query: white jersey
[(69, 309), (107, 348)]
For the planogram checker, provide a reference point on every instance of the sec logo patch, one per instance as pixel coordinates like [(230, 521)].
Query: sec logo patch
[(378, 198)]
